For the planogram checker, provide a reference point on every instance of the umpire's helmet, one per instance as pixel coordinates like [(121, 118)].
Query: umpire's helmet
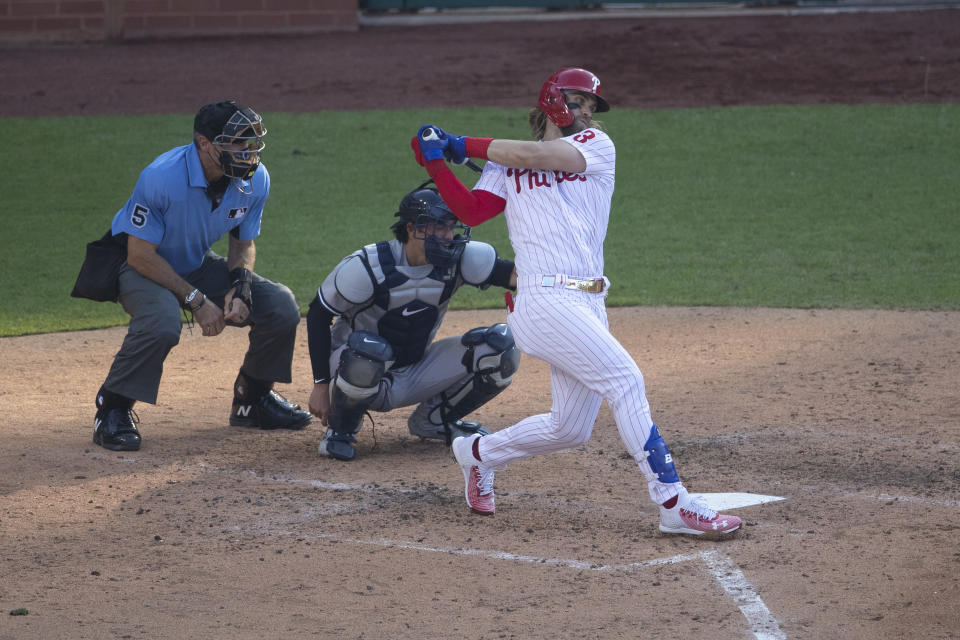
[(552, 101), (427, 211)]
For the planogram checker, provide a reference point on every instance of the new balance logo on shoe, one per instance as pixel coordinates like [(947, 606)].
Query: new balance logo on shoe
[(271, 411)]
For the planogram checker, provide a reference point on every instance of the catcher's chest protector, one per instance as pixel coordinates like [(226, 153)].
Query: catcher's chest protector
[(406, 310)]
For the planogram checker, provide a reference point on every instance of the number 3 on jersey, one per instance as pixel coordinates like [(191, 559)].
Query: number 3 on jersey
[(583, 137), (139, 216)]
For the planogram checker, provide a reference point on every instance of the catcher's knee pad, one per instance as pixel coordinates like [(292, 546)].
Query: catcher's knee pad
[(659, 458), (363, 363), (499, 366), (492, 370), (362, 366)]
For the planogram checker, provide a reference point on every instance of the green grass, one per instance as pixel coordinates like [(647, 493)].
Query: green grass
[(792, 207), (816, 206)]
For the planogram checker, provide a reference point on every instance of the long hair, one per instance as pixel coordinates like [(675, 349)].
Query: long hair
[(538, 123)]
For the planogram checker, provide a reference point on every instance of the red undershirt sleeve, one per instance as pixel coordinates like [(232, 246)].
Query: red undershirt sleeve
[(471, 207)]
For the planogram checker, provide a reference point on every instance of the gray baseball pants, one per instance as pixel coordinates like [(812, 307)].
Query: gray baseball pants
[(440, 369)]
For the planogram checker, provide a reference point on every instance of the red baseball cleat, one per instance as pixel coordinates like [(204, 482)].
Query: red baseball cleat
[(478, 478), (692, 516)]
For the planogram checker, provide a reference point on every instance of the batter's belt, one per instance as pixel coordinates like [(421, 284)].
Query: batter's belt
[(559, 280)]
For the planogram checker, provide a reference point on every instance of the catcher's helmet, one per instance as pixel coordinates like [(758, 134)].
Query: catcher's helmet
[(237, 132), (552, 101), (428, 212)]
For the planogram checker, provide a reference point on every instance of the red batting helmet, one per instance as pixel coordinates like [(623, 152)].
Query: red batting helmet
[(552, 101)]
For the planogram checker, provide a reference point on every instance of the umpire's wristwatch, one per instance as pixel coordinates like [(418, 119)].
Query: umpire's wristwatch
[(188, 302)]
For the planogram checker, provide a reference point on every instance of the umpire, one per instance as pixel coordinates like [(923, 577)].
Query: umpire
[(183, 202)]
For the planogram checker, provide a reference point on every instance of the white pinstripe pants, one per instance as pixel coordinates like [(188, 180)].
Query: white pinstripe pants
[(569, 330)]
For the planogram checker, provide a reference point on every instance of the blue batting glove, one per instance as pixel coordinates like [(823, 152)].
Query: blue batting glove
[(456, 149), (433, 142)]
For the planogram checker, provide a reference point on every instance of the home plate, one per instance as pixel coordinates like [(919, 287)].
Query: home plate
[(725, 501)]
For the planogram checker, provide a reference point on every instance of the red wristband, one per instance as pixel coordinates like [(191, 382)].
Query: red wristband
[(477, 147)]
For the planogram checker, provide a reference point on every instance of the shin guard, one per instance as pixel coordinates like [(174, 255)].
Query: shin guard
[(659, 458)]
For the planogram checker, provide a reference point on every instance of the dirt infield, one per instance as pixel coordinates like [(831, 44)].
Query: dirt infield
[(217, 532)]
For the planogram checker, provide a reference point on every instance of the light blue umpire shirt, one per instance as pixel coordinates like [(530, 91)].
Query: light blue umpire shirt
[(170, 208)]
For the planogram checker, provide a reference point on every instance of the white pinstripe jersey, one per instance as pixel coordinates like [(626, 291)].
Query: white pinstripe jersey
[(557, 221)]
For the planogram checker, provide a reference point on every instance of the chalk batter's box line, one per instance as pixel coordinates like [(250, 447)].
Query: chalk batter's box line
[(735, 585)]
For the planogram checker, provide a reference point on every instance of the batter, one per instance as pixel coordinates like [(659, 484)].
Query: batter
[(556, 195)]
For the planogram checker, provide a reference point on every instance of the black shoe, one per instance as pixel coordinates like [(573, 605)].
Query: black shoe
[(269, 412), (114, 429), (286, 404)]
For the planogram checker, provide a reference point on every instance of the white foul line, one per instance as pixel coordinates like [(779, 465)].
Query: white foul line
[(763, 625)]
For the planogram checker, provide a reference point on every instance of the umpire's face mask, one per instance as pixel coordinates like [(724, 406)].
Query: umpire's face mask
[(240, 160), (240, 144)]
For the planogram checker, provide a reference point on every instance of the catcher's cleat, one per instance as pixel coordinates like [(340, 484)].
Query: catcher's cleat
[(419, 425), (691, 516), (271, 411), (478, 477), (115, 429), (337, 445)]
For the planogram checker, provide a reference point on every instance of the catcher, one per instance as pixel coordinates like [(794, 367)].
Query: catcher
[(389, 299)]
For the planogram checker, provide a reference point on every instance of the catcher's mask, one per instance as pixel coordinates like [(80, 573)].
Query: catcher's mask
[(552, 100), (236, 132), (444, 237)]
